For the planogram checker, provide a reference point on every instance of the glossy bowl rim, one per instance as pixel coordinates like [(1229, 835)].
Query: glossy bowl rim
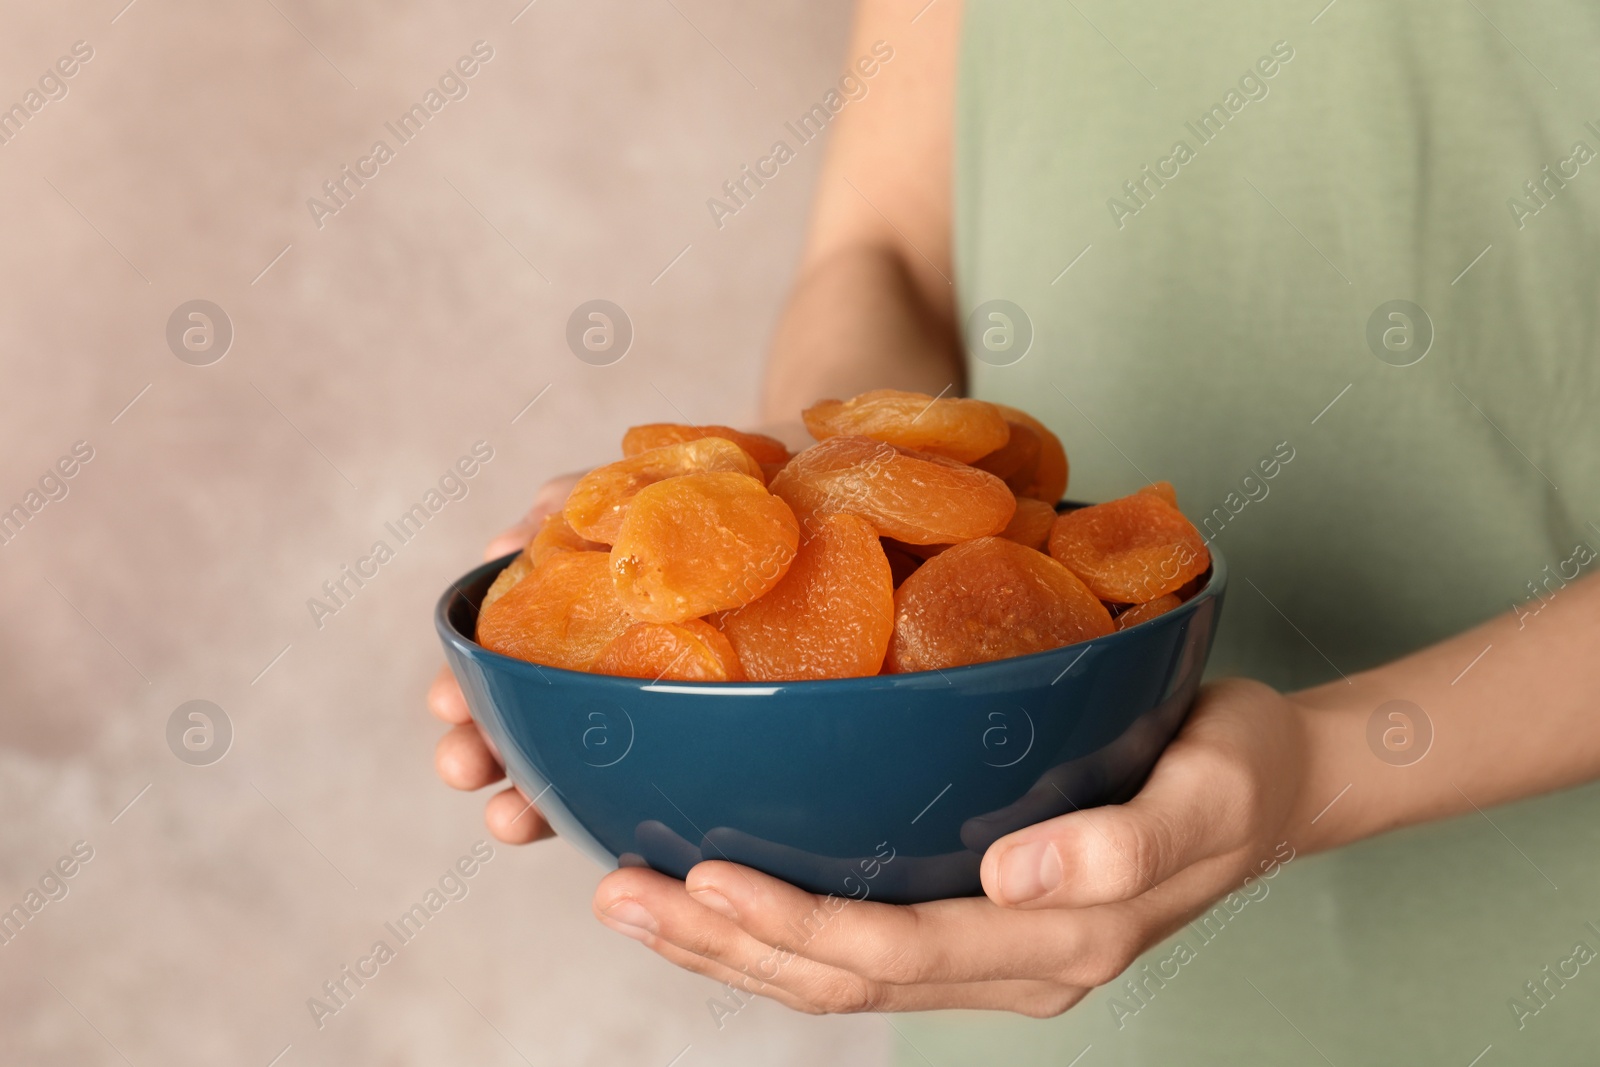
[(887, 682)]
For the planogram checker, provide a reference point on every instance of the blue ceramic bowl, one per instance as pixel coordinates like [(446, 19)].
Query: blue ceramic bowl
[(888, 787)]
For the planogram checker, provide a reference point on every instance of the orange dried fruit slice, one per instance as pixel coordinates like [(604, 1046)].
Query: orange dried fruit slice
[(1017, 461), (507, 579), (1048, 480), (914, 497), (1031, 524), (830, 617), (1163, 490), (554, 536), (597, 504), (1148, 610), (761, 448), (955, 427), (1130, 550), (700, 543), (688, 651), (989, 599), (561, 615), (557, 535)]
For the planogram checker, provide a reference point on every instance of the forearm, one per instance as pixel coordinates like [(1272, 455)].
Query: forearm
[(1519, 721), (872, 306), (856, 320)]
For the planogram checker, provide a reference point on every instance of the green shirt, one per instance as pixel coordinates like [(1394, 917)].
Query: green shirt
[(1206, 213)]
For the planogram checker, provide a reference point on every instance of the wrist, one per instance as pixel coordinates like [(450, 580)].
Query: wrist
[(1356, 785), (1330, 805)]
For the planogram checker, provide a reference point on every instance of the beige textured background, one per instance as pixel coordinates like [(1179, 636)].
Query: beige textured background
[(370, 356)]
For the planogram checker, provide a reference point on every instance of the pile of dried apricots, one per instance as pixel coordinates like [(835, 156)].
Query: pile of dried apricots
[(918, 534)]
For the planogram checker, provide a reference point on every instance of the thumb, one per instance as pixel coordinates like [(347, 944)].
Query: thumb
[(1114, 853)]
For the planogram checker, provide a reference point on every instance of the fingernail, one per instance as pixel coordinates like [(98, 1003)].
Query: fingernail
[(630, 917), (716, 902), (1029, 871)]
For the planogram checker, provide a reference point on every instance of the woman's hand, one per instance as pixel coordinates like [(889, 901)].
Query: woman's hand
[(463, 757), (1070, 903), (1244, 787)]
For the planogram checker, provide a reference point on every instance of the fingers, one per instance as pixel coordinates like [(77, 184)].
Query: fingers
[(654, 909), (948, 941), (548, 500), (701, 965), (719, 972), (464, 761), (659, 912), (510, 540), (445, 698), (1083, 894), (510, 818)]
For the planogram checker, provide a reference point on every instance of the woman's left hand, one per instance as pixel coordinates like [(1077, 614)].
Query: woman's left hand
[(1070, 903)]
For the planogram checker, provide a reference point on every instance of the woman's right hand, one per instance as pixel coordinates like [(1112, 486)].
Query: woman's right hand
[(463, 757)]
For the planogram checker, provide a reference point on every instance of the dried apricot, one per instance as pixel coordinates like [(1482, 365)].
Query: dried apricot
[(562, 615), (961, 429), (1131, 550), (1148, 610), (688, 651), (1017, 461), (599, 501), (761, 448), (503, 583), (915, 497), (1163, 490), (830, 617), (554, 536), (700, 543), (1048, 480), (1031, 524), (989, 599)]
